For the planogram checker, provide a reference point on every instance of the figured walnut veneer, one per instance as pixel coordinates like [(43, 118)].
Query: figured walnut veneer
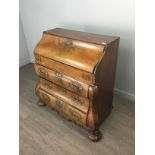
[(77, 72)]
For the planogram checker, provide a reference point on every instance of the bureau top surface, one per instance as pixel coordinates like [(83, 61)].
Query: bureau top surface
[(83, 36)]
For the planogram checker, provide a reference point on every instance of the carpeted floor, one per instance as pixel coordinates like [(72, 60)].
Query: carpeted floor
[(44, 132)]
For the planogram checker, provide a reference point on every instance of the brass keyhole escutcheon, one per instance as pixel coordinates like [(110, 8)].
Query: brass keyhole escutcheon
[(67, 41)]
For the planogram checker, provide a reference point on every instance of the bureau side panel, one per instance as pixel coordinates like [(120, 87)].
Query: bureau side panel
[(105, 77)]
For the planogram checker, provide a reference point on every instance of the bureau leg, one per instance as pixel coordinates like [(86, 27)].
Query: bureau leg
[(94, 135), (41, 103)]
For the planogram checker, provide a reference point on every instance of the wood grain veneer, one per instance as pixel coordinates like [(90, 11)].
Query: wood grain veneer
[(77, 73)]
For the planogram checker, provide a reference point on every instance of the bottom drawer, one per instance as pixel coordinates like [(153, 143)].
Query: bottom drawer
[(63, 108)]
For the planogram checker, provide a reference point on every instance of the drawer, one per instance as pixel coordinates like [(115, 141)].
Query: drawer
[(62, 80), (74, 100), (63, 108), (75, 73)]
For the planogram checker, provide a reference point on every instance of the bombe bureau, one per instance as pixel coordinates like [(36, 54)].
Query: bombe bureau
[(76, 76)]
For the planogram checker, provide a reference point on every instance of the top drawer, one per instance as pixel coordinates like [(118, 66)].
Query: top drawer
[(85, 77)]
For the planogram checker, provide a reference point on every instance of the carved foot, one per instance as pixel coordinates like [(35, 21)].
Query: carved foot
[(41, 103), (94, 135)]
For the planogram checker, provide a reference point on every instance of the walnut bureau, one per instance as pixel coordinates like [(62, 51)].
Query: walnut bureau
[(76, 76)]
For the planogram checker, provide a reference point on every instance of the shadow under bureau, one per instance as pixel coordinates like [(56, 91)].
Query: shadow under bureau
[(76, 76)]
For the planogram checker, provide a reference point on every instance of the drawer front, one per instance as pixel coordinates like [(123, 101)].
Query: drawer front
[(63, 108), (75, 73), (76, 101), (62, 80)]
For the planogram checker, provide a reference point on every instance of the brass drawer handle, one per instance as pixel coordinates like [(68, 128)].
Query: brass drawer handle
[(75, 115), (38, 58), (43, 72), (76, 86), (45, 97), (58, 75), (78, 100), (47, 84), (59, 105)]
